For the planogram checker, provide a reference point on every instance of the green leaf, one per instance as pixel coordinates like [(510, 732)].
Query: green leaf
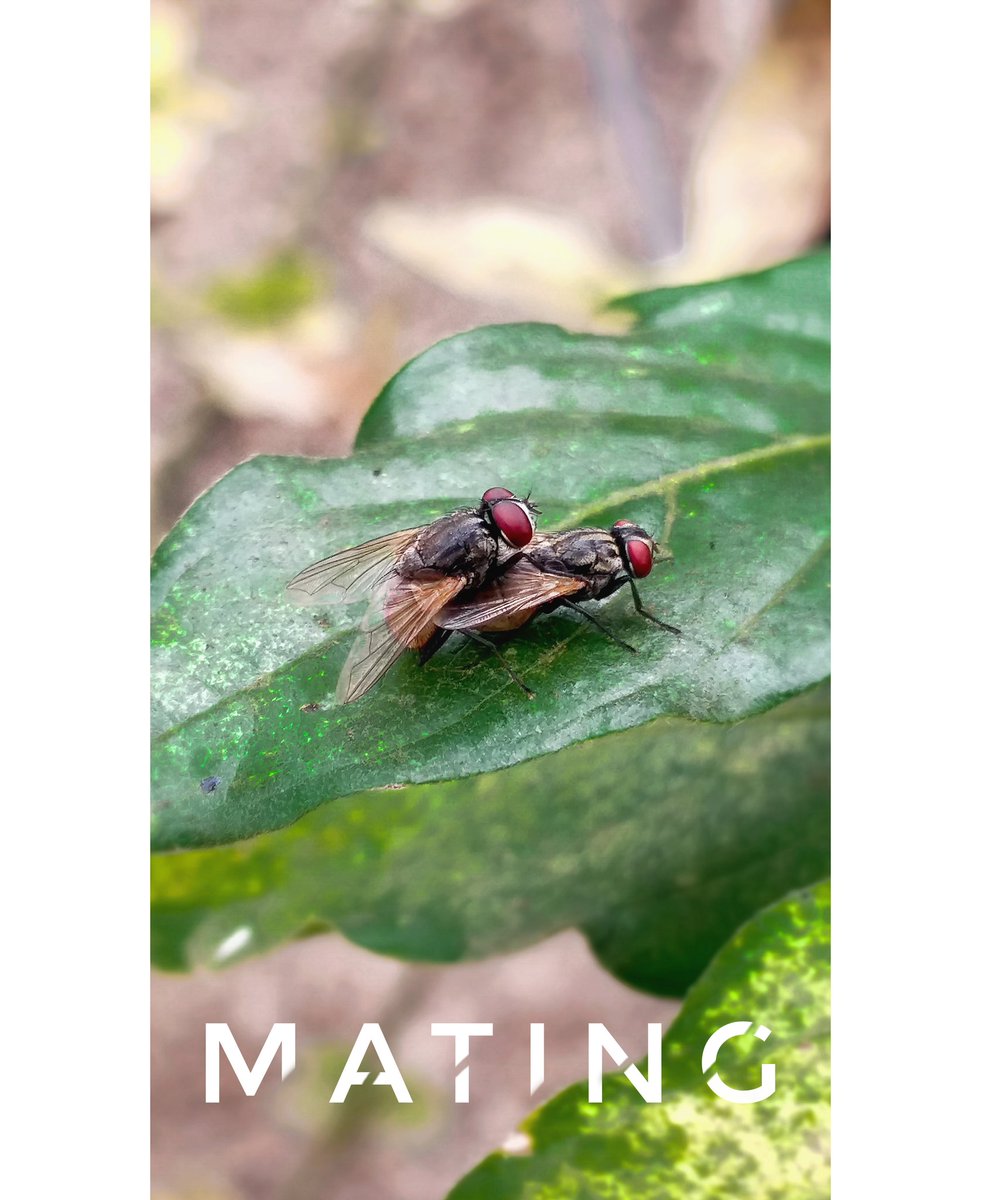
[(708, 430), (657, 843), (749, 352), (693, 1144)]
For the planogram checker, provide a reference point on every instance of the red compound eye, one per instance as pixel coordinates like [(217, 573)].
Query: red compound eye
[(514, 521), (497, 493), (641, 557), (619, 524)]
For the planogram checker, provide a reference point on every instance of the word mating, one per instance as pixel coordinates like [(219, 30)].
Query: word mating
[(282, 1039)]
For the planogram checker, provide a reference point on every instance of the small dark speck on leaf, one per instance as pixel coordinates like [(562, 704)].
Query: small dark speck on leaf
[(313, 706), (208, 785), (711, 545), (376, 472), (323, 622)]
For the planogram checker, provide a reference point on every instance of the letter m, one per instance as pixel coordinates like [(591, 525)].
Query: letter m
[(219, 1037)]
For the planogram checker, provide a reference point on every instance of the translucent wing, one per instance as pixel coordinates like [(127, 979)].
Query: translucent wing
[(351, 573), (510, 600), (401, 619)]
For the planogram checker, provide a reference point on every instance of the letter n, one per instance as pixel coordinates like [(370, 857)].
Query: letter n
[(601, 1039)]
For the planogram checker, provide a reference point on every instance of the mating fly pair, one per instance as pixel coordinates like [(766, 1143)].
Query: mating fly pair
[(477, 570)]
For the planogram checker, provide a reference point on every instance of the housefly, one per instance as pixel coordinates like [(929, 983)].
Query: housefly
[(411, 575), (554, 570)]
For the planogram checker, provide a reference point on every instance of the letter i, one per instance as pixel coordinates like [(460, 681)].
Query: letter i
[(536, 1057)]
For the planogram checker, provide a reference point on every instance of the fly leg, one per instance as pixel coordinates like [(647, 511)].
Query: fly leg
[(475, 637), (429, 649), (649, 615), (600, 626)]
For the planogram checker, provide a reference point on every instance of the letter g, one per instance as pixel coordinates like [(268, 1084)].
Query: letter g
[(768, 1072)]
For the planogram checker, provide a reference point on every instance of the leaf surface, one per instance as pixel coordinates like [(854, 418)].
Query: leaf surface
[(656, 842), (707, 424)]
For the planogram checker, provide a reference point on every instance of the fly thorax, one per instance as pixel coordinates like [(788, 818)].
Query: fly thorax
[(583, 551), (459, 544)]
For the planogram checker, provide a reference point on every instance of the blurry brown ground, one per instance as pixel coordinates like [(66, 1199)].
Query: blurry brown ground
[(411, 169)]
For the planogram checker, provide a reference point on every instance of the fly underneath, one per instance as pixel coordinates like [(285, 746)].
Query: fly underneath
[(555, 570)]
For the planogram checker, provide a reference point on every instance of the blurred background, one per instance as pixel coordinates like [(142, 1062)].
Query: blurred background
[(337, 184)]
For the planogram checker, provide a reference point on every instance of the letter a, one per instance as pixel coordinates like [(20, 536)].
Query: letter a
[(390, 1075)]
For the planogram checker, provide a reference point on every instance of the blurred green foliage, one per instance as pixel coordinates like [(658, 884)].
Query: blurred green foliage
[(279, 289), (695, 1145)]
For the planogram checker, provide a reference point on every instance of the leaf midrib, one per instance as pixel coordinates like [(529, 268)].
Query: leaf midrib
[(792, 444)]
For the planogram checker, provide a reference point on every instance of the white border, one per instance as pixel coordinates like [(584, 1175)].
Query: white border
[(74, 290), (905, 488)]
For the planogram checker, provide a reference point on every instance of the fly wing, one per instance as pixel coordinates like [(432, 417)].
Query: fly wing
[(401, 619), (519, 592), (351, 573)]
